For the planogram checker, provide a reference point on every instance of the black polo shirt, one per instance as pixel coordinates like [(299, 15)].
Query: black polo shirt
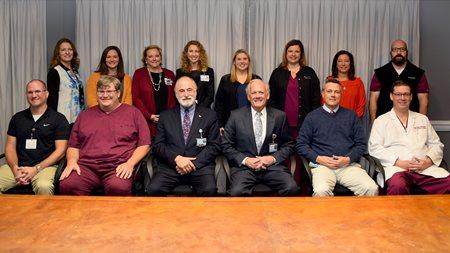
[(49, 127)]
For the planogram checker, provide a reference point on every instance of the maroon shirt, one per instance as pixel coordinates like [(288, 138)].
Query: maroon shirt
[(292, 103), (109, 139)]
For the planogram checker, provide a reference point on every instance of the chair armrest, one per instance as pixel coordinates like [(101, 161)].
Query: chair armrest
[(221, 173), (444, 165), (293, 164), (305, 163), (59, 170)]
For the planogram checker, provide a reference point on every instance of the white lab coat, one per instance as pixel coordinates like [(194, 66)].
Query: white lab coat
[(389, 141)]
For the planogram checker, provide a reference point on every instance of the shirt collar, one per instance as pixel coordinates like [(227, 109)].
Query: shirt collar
[(263, 111), (329, 110), (190, 109)]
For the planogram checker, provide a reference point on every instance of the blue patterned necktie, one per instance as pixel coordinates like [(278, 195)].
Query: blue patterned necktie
[(186, 125)]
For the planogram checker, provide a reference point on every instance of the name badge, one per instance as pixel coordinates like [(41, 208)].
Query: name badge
[(167, 81), (204, 78), (201, 142), (30, 143), (273, 147)]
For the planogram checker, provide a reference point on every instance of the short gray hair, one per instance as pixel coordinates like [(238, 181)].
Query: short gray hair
[(247, 89)]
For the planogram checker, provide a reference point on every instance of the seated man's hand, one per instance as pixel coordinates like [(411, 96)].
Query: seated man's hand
[(266, 161), (254, 163), (69, 168), (343, 161), (124, 170), (184, 164), (19, 175), (421, 164), (328, 162), (405, 164), (28, 173)]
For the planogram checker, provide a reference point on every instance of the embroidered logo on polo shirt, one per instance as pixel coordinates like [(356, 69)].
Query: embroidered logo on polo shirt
[(412, 77), (307, 77), (420, 127), (46, 125)]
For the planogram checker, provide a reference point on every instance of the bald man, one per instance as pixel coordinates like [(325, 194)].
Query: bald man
[(399, 68), (256, 143)]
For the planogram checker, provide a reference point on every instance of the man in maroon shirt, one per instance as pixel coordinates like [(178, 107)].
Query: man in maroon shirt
[(106, 143)]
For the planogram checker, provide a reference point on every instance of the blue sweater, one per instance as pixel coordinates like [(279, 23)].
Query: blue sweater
[(324, 134)]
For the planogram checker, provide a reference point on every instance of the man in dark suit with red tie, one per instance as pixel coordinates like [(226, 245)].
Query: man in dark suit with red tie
[(256, 143), (186, 145)]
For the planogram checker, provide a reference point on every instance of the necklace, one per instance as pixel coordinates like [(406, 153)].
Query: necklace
[(156, 86)]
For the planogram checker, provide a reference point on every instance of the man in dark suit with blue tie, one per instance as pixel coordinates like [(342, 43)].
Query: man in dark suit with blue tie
[(256, 143), (186, 145)]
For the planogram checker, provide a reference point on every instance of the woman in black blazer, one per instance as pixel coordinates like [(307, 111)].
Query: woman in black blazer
[(231, 92), (194, 64), (294, 87)]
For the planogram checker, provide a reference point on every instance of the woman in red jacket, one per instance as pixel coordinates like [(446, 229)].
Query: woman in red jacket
[(353, 95), (152, 89)]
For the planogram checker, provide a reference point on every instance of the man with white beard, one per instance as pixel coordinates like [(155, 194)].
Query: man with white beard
[(399, 68), (186, 145)]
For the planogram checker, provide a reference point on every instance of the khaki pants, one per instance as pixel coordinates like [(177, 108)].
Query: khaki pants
[(352, 177), (42, 182)]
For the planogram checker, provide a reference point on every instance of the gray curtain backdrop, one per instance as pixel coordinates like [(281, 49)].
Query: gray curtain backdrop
[(364, 27), (22, 53)]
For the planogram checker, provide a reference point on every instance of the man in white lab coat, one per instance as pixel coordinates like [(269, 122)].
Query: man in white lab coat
[(408, 147)]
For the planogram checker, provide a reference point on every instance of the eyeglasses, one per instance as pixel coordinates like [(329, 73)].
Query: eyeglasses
[(399, 95), (108, 92), (37, 92), (399, 49)]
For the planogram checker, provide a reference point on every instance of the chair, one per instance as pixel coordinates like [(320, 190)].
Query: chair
[(137, 185), (186, 189), (259, 189), (382, 175), (28, 189), (339, 190)]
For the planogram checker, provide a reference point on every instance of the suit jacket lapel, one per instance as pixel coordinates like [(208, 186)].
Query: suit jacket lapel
[(178, 124), (248, 122), (269, 127), (195, 123)]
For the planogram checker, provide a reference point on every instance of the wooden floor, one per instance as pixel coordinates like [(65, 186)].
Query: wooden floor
[(114, 224)]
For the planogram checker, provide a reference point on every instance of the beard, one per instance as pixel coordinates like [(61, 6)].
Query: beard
[(186, 102), (398, 60)]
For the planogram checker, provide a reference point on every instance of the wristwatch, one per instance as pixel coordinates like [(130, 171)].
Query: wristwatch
[(38, 168)]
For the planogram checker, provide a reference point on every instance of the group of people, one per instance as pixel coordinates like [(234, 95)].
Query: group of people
[(256, 126)]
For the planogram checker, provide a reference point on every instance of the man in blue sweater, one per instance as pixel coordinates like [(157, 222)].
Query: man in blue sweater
[(332, 138)]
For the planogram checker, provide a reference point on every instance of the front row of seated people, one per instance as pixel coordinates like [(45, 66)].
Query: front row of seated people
[(108, 140)]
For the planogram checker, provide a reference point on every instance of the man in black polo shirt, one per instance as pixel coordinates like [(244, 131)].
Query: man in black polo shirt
[(36, 141), (399, 68)]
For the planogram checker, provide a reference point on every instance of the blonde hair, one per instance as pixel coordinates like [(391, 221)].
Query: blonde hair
[(185, 66), (144, 54), (233, 76)]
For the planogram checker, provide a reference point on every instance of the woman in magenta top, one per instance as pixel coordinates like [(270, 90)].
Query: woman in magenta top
[(294, 87), (152, 89)]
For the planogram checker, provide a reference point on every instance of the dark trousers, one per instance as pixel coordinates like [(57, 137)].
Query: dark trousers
[(166, 179), (401, 183), (91, 178), (280, 181)]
